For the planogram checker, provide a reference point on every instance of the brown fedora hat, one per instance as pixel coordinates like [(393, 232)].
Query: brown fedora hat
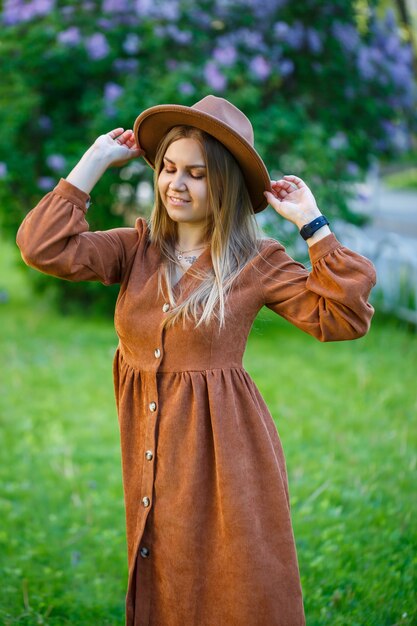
[(219, 118)]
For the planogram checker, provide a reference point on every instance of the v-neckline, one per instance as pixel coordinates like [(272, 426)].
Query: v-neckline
[(186, 274)]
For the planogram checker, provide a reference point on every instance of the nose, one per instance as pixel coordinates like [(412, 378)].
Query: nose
[(177, 182)]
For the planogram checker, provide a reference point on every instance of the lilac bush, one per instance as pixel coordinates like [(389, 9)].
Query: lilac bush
[(325, 90)]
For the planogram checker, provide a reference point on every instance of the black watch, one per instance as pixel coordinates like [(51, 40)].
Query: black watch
[(310, 228)]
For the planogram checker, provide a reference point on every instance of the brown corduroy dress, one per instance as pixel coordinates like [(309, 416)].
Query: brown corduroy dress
[(210, 541)]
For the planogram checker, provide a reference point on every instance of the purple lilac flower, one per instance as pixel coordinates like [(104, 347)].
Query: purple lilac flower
[(172, 65), (392, 45), (401, 75), (260, 67), (3, 169), (11, 13), (397, 136), (186, 88), (199, 17), (45, 183), (286, 67), (365, 65), (131, 44), (144, 7), (225, 55), (214, 78), (15, 11), (347, 35), (159, 31), (56, 162), (251, 39), (97, 46), (45, 122), (179, 36), (390, 21), (169, 11), (69, 37), (313, 41), (115, 6), (380, 145), (282, 31), (338, 141), (352, 168), (129, 66), (266, 7), (105, 23), (295, 38), (69, 10), (405, 54), (41, 7), (112, 91)]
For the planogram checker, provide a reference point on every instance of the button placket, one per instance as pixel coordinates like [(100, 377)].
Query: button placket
[(150, 446), (149, 451)]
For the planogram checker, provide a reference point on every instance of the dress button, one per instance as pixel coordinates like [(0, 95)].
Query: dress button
[(145, 501), (149, 455), (152, 406), (165, 308), (157, 353), (144, 552)]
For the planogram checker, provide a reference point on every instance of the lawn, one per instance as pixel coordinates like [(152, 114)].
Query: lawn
[(346, 413)]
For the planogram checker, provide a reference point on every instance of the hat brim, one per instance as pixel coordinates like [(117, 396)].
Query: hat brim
[(153, 123)]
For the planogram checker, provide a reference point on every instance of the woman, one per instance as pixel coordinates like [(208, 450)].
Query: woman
[(210, 541)]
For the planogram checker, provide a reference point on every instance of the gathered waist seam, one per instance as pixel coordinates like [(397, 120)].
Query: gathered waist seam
[(179, 371)]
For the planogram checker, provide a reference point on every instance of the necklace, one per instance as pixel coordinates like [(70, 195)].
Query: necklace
[(182, 252)]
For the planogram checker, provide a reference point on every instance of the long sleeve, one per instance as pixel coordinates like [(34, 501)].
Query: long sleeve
[(329, 302), (54, 238)]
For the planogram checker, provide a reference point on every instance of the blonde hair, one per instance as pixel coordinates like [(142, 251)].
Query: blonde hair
[(231, 228)]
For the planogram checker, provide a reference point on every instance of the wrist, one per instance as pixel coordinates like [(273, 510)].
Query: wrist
[(306, 219), (88, 170), (95, 157), (314, 225), (319, 234)]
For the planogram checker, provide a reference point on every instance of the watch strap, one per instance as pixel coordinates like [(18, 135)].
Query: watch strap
[(309, 229)]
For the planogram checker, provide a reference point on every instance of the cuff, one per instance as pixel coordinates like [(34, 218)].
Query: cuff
[(323, 247), (73, 194)]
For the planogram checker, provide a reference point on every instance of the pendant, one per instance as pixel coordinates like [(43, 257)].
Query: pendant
[(179, 257)]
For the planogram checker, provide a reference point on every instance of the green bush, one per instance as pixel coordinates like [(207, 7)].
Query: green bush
[(325, 85)]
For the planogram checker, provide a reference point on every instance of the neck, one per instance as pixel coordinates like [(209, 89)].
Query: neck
[(189, 238)]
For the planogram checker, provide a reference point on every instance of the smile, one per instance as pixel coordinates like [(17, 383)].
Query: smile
[(177, 201)]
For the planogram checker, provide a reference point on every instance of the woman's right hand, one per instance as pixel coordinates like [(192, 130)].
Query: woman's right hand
[(117, 147)]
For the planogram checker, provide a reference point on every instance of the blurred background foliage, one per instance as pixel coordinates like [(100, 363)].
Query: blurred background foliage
[(327, 84)]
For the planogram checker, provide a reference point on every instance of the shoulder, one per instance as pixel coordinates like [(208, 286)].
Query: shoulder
[(142, 227), (268, 246), (141, 232)]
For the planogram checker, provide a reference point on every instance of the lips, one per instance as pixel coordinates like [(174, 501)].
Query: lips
[(176, 200)]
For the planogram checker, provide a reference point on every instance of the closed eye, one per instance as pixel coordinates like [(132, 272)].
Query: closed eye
[(192, 175)]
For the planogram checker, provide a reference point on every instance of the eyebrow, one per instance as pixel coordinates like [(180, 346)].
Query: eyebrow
[(191, 167)]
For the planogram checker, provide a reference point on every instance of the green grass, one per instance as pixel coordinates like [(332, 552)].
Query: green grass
[(346, 413), (407, 179)]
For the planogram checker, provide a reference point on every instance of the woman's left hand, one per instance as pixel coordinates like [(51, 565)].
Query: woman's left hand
[(291, 198)]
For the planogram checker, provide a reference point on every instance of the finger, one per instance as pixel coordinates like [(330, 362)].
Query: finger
[(285, 186), (127, 138), (272, 198), (298, 182), (284, 183), (115, 132)]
